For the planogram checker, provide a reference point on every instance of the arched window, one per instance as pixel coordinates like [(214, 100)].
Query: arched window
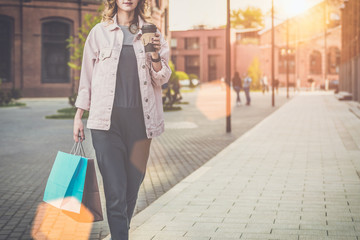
[(333, 60), (287, 58), (55, 55), (315, 62), (6, 33)]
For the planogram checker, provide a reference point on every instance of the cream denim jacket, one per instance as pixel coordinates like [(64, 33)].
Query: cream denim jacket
[(98, 77)]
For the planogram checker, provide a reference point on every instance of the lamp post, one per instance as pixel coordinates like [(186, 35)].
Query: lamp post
[(272, 54), (325, 46), (228, 71), (287, 57)]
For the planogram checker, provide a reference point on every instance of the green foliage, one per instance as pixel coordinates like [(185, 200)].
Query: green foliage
[(76, 43), (251, 17), (66, 113), (181, 75), (171, 91), (168, 108), (14, 104), (254, 72), (7, 96), (16, 93), (173, 76), (193, 76)]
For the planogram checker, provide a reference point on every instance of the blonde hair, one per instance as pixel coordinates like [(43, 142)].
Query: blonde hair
[(111, 8)]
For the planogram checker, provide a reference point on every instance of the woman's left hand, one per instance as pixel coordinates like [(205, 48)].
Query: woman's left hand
[(156, 43)]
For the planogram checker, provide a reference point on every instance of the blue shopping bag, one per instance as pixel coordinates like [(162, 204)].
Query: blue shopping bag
[(65, 185)]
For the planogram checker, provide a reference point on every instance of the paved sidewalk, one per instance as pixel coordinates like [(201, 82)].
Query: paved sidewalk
[(293, 176), (29, 143)]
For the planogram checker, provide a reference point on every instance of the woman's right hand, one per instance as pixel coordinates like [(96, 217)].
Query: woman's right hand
[(78, 126)]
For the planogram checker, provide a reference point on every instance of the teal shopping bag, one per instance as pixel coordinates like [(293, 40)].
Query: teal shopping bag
[(65, 185)]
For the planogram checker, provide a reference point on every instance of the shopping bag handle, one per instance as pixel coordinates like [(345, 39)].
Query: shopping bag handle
[(78, 149)]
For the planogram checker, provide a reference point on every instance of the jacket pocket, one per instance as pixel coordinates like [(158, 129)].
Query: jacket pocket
[(104, 53)]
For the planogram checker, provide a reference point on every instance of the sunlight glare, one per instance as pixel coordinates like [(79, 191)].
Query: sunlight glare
[(291, 8)]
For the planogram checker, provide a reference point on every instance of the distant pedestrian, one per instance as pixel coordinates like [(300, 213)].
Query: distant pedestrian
[(247, 83), (276, 85), (237, 85), (298, 83), (264, 84)]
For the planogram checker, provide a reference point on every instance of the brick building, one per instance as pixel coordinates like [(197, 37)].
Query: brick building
[(350, 54), (33, 53), (202, 51), (303, 38)]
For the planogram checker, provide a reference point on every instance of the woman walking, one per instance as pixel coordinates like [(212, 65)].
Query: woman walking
[(237, 85), (120, 86)]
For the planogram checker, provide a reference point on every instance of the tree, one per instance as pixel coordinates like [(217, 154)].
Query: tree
[(182, 75), (255, 73), (251, 17), (76, 44)]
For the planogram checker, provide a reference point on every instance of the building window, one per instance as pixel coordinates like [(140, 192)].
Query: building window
[(315, 62), (212, 67), (192, 65), (158, 3), (212, 42), (333, 60), (247, 38), (291, 60), (6, 32), (192, 43), (173, 43), (55, 55)]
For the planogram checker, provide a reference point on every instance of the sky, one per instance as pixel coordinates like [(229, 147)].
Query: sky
[(184, 14)]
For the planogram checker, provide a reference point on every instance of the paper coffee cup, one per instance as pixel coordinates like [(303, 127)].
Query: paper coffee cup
[(148, 32)]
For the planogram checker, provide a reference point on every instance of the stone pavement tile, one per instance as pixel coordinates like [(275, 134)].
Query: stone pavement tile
[(199, 233), (211, 227), (169, 234), (357, 226), (153, 226), (258, 228), (143, 235), (238, 218), (315, 237), (179, 238), (234, 234), (209, 220), (251, 236), (225, 238), (288, 215), (298, 232)]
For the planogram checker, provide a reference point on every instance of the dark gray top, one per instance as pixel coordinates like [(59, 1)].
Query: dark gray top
[(127, 91)]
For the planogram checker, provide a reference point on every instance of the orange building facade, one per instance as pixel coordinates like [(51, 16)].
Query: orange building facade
[(301, 40), (350, 55), (202, 52), (33, 49)]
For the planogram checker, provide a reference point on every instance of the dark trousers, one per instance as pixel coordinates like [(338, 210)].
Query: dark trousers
[(122, 153), (237, 90), (247, 94)]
